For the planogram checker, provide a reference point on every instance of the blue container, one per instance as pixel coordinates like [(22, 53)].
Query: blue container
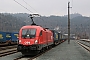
[(8, 36), (14, 37), (55, 35), (59, 36), (2, 37)]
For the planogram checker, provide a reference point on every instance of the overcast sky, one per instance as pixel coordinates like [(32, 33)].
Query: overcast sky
[(46, 7)]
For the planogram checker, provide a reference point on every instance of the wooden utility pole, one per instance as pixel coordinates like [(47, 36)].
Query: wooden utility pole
[(68, 23)]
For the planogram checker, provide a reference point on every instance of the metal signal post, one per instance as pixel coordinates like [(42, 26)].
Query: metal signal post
[(69, 23)]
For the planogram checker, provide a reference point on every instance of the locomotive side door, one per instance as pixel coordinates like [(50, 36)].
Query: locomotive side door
[(47, 38), (41, 37)]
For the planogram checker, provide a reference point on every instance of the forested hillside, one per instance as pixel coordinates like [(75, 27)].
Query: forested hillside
[(10, 23), (13, 22)]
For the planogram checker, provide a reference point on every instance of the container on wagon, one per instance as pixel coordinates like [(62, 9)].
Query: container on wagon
[(2, 37), (8, 36), (14, 36)]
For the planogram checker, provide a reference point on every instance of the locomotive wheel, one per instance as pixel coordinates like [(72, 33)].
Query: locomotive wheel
[(42, 50), (55, 43)]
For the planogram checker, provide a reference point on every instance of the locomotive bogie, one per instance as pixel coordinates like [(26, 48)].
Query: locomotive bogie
[(29, 48)]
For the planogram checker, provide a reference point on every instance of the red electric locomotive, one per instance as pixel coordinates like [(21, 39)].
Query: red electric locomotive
[(33, 38)]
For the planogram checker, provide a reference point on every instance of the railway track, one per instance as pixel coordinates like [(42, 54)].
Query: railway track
[(7, 47), (8, 52), (84, 46), (6, 44)]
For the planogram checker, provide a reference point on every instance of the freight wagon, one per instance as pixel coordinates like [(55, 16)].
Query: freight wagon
[(8, 38), (64, 37), (55, 37), (60, 37)]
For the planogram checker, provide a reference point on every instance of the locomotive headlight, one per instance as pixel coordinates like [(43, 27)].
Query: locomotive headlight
[(36, 41), (19, 41)]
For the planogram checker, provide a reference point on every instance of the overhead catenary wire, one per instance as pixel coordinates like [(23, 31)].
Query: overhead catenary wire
[(23, 6), (29, 5)]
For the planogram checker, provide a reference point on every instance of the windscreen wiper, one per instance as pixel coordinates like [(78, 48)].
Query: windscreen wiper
[(26, 34)]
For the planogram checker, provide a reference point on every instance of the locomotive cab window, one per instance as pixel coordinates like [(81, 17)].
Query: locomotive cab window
[(28, 33), (40, 33)]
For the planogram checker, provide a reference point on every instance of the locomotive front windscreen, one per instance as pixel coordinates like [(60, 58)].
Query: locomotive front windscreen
[(28, 33)]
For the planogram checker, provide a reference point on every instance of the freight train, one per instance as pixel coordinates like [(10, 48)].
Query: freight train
[(33, 39), (8, 38)]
